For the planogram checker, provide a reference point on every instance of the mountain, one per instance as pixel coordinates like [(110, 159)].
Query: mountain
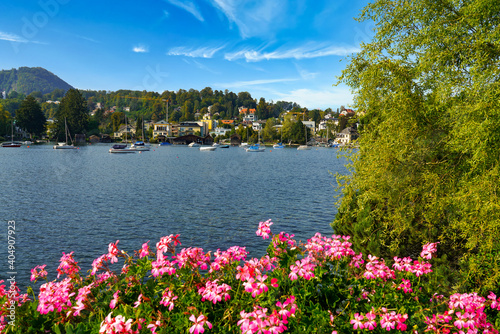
[(26, 80)]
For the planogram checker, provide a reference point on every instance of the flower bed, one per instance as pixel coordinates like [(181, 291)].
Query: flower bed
[(321, 286)]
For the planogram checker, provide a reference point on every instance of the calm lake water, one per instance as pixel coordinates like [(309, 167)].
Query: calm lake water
[(81, 200)]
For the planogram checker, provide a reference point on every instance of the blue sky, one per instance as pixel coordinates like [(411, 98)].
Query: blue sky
[(275, 49)]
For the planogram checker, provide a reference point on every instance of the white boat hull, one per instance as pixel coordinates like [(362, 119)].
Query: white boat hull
[(208, 148), (304, 147), (122, 150)]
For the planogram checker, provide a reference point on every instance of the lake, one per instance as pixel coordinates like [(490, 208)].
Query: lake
[(81, 200)]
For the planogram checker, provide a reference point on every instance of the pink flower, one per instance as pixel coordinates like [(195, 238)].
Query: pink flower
[(198, 324), (138, 302), (68, 265), (264, 229), (168, 299), (154, 326), (113, 302), (428, 250), (274, 282), (357, 321), (116, 325), (371, 323), (35, 274), (144, 250), (113, 252)]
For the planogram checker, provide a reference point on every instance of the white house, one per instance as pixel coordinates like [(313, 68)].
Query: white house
[(162, 128)]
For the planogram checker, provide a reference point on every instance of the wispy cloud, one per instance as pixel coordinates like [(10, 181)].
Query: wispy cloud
[(189, 7), (200, 66), (310, 50), (6, 36), (140, 49), (254, 18), (204, 52), (240, 84)]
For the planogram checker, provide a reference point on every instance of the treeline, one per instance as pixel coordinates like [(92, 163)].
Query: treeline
[(184, 104), (103, 112)]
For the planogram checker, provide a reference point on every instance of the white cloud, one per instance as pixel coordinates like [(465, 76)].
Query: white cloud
[(140, 49), (204, 52), (241, 84), (256, 17), (12, 37), (189, 7), (310, 50)]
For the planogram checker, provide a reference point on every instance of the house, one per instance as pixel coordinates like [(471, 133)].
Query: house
[(246, 111), (310, 124), (323, 123), (186, 128), (220, 131), (235, 140), (162, 128), (346, 136), (209, 123), (250, 118), (227, 121), (128, 130), (188, 139)]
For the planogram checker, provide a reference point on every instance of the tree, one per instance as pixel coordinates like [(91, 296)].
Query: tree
[(117, 119), (428, 167), (30, 117), (73, 108), (269, 132), (5, 120)]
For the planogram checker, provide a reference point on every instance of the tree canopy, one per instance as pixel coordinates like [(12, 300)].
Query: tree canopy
[(428, 165), (73, 108), (30, 117)]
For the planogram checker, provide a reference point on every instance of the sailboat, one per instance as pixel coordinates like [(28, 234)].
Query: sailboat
[(280, 144), (256, 147), (304, 147), (65, 145), (12, 143), (122, 148), (140, 145)]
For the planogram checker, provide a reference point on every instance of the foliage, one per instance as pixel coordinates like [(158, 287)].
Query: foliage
[(428, 164), (30, 117), (322, 286), (73, 108), (5, 120), (26, 80)]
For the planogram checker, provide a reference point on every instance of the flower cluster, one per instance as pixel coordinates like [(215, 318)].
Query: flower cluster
[(258, 321), (466, 313), (67, 266), (116, 325), (38, 272), (387, 320), (214, 292), (264, 229), (55, 296), (320, 286)]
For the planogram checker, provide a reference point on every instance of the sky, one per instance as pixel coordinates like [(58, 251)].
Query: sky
[(276, 49)]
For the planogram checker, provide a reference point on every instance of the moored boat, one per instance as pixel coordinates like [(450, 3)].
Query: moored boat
[(207, 148)]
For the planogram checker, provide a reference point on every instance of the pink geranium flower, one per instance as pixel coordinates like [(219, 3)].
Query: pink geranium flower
[(199, 323)]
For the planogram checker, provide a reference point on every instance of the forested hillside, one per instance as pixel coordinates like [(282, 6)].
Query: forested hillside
[(26, 80)]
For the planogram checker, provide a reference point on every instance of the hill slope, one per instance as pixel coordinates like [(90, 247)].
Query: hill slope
[(31, 79)]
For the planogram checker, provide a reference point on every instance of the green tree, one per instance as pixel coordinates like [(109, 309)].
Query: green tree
[(117, 119), (5, 120), (73, 108), (428, 167), (30, 117), (269, 132)]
